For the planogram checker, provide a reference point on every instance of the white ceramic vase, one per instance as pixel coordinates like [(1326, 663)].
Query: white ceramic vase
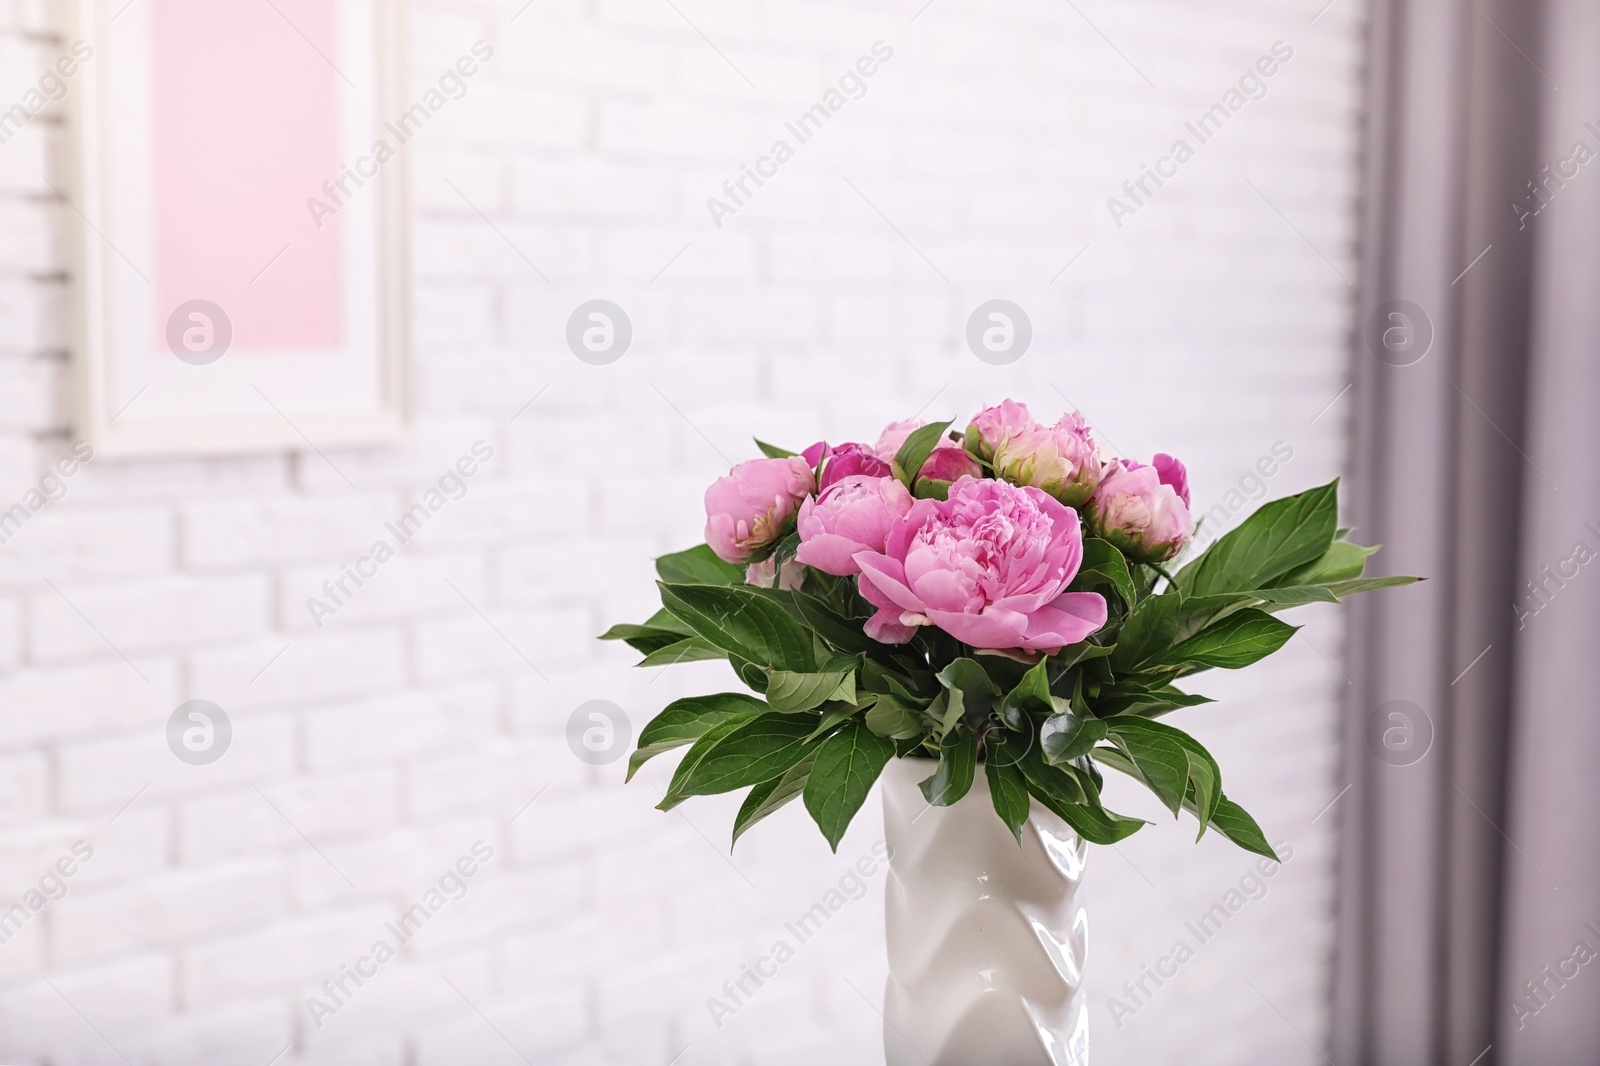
[(986, 939)]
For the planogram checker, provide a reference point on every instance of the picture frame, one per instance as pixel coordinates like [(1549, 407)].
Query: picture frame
[(225, 300)]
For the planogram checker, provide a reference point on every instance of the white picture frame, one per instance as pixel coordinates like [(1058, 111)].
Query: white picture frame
[(349, 385)]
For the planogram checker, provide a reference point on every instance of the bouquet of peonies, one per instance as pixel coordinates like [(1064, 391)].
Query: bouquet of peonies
[(1001, 597)]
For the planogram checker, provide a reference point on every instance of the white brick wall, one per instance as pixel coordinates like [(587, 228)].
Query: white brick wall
[(372, 752)]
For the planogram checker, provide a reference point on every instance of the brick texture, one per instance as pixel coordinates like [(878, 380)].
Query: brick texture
[(375, 745)]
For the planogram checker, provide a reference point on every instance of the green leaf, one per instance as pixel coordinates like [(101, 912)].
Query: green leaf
[(1202, 793), (1067, 735), (1205, 787), (698, 565), (952, 779), (1148, 632), (687, 650), (1057, 787), (970, 686), (1157, 755), (845, 634), (1032, 692), (1296, 595), (753, 751), (1075, 798), (1136, 697), (946, 711), (751, 674), (1234, 823), (741, 621), (687, 720), (1081, 652), (847, 764), (768, 796), (832, 715), (1238, 640), (1197, 612), (1103, 564), (915, 451), (772, 451), (791, 692), (658, 631), (891, 718), (1280, 537), (1342, 560), (1368, 584), (1008, 790)]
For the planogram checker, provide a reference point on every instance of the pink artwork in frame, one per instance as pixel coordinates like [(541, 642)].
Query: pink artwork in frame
[(219, 311)]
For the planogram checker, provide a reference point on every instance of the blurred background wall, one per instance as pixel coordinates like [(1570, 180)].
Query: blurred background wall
[(1209, 317)]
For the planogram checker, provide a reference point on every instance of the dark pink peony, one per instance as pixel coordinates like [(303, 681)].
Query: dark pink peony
[(850, 460), (990, 566)]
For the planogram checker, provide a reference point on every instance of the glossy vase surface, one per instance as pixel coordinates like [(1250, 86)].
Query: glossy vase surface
[(986, 939)]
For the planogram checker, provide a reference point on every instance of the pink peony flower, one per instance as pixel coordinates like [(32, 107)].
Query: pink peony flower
[(746, 510), (849, 460), (1172, 473), (948, 464), (1140, 511), (853, 515), (894, 435), (990, 566), (1062, 459), (992, 425)]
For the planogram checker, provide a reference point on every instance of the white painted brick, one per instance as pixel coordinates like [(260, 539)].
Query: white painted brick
[(69, 543), (72, 700), (33, 315), (402, 727), (342, 805), (406, 860), (228, 534), (501, 640), (137, 845), (105, 774), (297, 953), (24, 786), (316, 666), (535, 1026), (182, 906), (121, 997), (31, 394), (10, 633), (475, 782), (237, 1036), (405, 584), (129, 619)]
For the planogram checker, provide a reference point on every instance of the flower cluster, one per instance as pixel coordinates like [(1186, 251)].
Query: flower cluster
[(981, 541), (1004, 598)]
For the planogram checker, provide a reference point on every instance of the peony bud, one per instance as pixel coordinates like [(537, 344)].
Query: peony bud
[(992, 425), (746, 510), (947, 464), (1062, 459), (894, 435), (1140, 513)]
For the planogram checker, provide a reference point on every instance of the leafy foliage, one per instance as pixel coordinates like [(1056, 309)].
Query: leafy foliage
[(836, 706)]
